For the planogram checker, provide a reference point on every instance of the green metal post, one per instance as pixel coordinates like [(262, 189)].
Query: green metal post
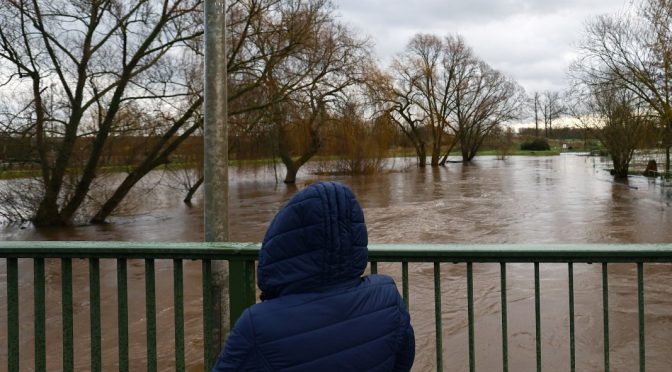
[(13, 315), (122, 313), (178, 301), (150, 314), (404, 283), (640, 312), (437, 316), (94, 309), (605, 314), (537, 314), (39, 298), (470, 316), (505, 332), (68, 334), (242, 287), (572, 347)]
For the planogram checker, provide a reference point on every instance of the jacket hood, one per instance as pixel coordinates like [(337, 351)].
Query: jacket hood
[(317, 240)]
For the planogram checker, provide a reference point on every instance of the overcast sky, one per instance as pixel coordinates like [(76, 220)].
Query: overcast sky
[(530, 40)]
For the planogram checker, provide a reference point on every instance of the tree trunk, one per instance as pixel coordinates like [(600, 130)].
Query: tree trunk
[(192, 190), (47, 214), (445, 157), (290, 177)]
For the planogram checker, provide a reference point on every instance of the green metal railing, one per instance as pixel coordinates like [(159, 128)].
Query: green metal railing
[(242, 257)]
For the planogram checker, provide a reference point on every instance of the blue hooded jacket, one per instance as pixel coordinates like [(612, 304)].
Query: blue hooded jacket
[(318, 312)]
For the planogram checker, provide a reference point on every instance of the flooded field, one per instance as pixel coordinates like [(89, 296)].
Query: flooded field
[(561, 199)]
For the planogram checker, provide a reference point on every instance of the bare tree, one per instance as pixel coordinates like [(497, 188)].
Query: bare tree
[(83, 62), (536, 107), (440, 88), (552, 108), (617, 116), (484, 99), (635, 49), (422, 98)]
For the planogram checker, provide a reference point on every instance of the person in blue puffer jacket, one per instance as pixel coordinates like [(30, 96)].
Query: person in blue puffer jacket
[(318, 313)]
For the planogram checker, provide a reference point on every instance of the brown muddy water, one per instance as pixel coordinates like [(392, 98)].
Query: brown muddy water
[(562, 199)]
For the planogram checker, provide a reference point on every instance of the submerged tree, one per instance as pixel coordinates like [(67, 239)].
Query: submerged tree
[(617, 117), (635, 50), (77, 65), (440, 88)]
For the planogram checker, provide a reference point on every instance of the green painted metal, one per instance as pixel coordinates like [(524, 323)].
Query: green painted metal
[(208, 358), (13, 315), (404, 283), (243, 256), (94, 311), (66, 296), (150, 313), (470, 315), (374, 267), (640, 302), (39, 323), (122, 313), (242, 287), (437, 316), (178, 303), (572, 341), (537, 314), (605, 314), (547, 253), (505, 332)]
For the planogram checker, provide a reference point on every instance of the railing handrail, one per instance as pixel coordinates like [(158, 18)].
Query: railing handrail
[(242, 257), (377, 252)]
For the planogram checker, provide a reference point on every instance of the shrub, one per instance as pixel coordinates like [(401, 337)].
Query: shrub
[(537, 144)]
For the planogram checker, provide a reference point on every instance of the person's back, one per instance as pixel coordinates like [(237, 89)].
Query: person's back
[(318, 313)]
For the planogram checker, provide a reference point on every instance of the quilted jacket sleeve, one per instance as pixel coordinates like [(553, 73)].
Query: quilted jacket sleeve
[(238, 354), (406, 353)]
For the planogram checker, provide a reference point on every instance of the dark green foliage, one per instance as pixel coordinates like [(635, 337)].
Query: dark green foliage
[(537, 144)]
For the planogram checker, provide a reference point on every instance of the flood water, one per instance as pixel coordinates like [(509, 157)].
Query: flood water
[(561, 199)]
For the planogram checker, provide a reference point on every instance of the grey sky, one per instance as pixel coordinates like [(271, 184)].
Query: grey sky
[(530, 40)]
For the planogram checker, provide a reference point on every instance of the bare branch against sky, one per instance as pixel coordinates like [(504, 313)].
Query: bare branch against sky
[(531, 40)]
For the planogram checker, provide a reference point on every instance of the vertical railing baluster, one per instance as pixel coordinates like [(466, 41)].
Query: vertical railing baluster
[(94, 310), (505, 333), (68, 334), (572, 348), (374, 267), (12, 315), (470, 315), (640, 302), (605, 314), (537, 314), (404, 283), (39, 299), (437, 316), (122, 313), (208, 359), (150, 312), (178, 302), (242, 289)]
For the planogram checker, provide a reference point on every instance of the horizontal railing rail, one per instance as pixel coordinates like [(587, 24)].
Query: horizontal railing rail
[(242, 257)]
